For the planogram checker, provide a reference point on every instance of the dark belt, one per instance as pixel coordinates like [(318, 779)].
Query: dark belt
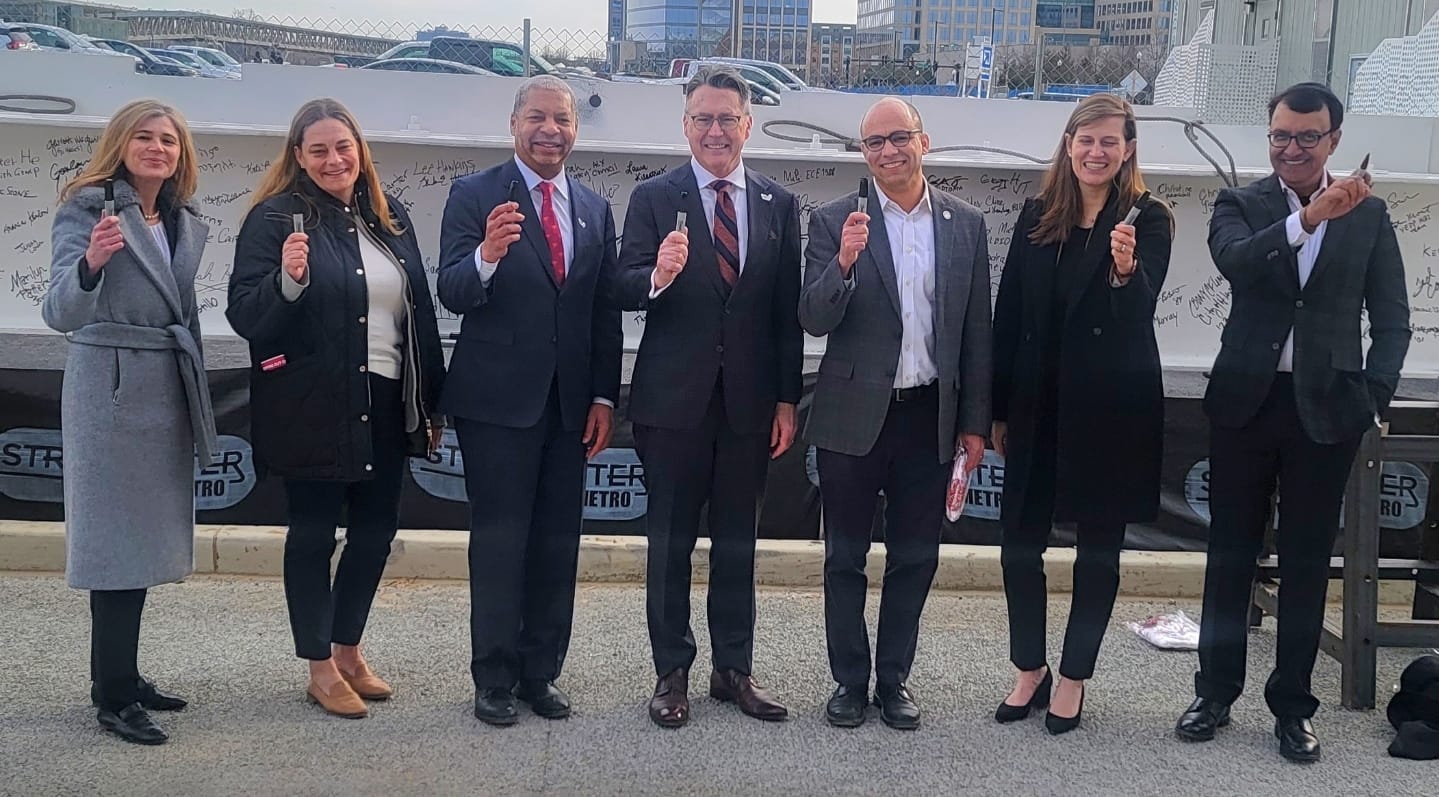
[(903, 394)]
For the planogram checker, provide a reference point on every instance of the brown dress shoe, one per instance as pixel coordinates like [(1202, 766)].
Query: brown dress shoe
[(670, 706), (366, 684), (734, 686), (341, 700)]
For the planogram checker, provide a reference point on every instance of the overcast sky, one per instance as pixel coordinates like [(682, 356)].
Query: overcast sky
[(574, 14)]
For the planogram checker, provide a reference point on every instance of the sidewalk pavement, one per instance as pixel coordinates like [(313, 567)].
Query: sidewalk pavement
[(224, 643)]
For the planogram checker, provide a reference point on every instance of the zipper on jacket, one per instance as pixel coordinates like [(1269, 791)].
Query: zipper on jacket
[(411, 339)]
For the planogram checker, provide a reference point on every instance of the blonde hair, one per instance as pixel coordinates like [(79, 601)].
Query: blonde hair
[(108, 162), (283, 176), (1059, 193)]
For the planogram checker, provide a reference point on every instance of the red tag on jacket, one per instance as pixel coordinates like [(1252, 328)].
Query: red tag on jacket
[(278, 361)]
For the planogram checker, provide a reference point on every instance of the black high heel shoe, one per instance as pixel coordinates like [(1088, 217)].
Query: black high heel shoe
[(1006, 713), (1056, 724)]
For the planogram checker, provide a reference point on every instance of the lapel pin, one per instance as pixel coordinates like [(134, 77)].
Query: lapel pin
[(766, 197), (946, 215), (582, 224)]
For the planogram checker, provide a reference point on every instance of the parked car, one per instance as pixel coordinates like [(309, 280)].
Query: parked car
[(501, 58), (149, 64), (16, 37), (205, 68), (210, 55), (49, 37), (432, 65)]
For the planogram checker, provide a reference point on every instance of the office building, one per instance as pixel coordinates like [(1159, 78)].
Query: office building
[(1323, 40), (831, 48), (1139, 23), (918, 28), (770, 30)]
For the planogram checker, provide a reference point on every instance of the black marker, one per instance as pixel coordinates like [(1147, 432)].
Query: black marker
[(864, 195), (298, 219), (1137, 209), (681, 216), (109, 197), (515, 192)]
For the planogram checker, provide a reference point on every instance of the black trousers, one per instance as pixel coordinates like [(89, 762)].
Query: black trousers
[(114, 645), (322, 613), (526, 493), (904, 463), (684, 470), (1096, 569), (1243, 466)]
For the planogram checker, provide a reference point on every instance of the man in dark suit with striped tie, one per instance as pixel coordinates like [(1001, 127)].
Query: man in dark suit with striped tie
[(715, 384)]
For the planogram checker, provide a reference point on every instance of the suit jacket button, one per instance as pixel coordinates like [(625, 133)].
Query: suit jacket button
[(1098, 331), (1274, 346), (1028, 336), (719, 349), (554, 338), (1299, 303)]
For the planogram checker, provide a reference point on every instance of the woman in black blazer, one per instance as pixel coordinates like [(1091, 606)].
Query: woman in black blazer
[(1078, 394), (345, 376)]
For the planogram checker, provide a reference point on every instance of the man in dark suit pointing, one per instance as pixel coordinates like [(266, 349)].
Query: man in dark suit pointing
[(903, 297), (526, 255), (715, 383), (1305, 255)]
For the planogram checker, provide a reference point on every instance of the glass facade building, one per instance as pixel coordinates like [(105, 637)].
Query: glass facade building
[(770, 30)]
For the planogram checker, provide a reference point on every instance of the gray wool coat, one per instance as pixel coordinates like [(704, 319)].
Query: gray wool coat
[(134, 406)]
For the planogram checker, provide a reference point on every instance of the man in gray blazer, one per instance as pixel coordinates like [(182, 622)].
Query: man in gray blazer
[(904, 298)]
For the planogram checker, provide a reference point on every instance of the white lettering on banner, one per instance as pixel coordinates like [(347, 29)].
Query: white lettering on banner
[(36, 159), (32, 467), (614, 480), (1403, 494)]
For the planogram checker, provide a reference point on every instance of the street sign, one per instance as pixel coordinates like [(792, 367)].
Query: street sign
[(1133, 83)]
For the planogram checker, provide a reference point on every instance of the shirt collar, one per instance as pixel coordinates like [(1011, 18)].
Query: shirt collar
[(532, 179), (704, 178), (885, 202), (1323, 184)]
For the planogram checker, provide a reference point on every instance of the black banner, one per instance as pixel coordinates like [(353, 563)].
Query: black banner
[(229, 492)]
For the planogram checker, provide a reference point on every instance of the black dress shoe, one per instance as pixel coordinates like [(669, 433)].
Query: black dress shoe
[(147, 696), (545, 699), (670, 705), (132, 724), (1040, 699), (1202, 719), (1297, 741), (733, 686), (496, 706), (896, 706), (846, 706), (1056, 724)]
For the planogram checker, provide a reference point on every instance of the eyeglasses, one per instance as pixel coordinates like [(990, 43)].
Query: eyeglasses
[(704, 122), (899, 138), (1305, 140)]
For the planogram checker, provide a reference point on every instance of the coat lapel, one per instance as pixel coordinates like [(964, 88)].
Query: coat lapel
[(1278, 207), (1095, 256), (685, 195), (145, 250), (759, 201), (1336, 232), (883, 259), (189, 246), (585, 223), (944, 252), (530, 228)]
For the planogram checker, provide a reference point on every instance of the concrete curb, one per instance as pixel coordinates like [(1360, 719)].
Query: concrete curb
[(441, 555)]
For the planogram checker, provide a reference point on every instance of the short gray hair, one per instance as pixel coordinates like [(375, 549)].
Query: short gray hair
[(720, 76), (544, 83)]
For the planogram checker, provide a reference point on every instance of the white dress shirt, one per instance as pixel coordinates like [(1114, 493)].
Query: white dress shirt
[(911, 244), (710, 198), (1308, 244), (561, 201)]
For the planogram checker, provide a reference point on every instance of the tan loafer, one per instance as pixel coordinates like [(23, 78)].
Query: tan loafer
[(366, 684), (341, 700)]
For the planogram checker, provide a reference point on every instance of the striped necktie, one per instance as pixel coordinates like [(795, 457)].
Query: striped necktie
[(726, 232)]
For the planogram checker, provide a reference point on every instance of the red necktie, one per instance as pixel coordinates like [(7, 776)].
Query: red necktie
[(726, 233), (551, 225)]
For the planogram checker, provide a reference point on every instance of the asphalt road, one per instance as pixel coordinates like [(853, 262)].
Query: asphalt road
[(225, 645)]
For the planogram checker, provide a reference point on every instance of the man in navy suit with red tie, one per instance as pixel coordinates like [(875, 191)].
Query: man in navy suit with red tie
[(715, 383), (526, 255)]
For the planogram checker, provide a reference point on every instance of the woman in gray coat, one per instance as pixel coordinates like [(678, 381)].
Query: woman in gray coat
[(135, 406)]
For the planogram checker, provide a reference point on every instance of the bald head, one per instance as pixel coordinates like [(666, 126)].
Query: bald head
[(888, 112)]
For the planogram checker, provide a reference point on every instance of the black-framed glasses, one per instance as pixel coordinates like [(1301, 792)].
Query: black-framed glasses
[(899, 138), (704, 121), (1306, 140)]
